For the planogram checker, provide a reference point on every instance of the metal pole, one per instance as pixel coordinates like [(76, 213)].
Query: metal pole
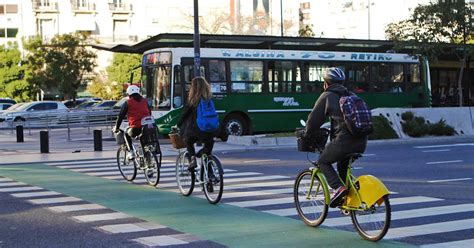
[(197, 40), (281, 17), (368, 18)]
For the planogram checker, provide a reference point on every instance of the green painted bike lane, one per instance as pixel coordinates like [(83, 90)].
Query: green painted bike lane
[(228, 225)]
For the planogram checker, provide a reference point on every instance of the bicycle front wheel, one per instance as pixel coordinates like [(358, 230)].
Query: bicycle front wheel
[(184, 178), (126, 167), (373, 223), (310, 201), (152, 170), (214, 183)]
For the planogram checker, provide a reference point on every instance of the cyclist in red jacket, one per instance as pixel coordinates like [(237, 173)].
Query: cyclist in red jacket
[(136, 107)]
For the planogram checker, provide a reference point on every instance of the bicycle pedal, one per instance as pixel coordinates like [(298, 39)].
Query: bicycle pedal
[(345, 212)]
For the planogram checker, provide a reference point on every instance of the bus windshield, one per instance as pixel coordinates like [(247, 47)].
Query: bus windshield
[(156, 79)]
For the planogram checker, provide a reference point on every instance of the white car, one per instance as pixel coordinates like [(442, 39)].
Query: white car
[(39, 113)]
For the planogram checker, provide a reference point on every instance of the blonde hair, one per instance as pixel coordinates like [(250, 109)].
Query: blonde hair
[(200, 88)]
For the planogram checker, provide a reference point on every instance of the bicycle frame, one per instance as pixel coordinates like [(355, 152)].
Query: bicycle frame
[(364, 191)]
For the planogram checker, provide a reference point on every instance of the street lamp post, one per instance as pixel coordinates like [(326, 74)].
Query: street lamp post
[(281, 16), (197, 40)]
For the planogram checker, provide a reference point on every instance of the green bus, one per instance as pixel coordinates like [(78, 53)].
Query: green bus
[(257, 89)]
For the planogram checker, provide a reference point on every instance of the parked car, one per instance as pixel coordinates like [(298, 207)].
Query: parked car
[(108, 104), (118, 105), (12, 107), (86, 105), (74, 103), (36, 113), (5, 103)]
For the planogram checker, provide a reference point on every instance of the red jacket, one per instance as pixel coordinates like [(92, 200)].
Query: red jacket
[(136, 111)]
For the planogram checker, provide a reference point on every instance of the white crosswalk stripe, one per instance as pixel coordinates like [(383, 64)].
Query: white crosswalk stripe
[(35, 194), (101, 217), (55, 200), (272, 194)]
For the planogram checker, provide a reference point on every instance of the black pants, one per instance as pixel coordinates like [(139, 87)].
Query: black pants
[(208, 144), (130, 133), (336, 152)]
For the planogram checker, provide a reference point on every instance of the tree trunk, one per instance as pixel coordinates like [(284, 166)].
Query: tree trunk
[(461, 73)]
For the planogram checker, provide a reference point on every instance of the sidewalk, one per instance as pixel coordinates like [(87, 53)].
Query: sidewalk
[(81, 145)]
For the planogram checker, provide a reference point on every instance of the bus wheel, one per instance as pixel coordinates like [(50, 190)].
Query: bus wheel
[(235, 125)]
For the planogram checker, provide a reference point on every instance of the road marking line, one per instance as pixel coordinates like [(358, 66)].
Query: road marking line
[(446, 162), (258, 185), (80, 162), (439, 227), (266, 202), (20, 189), (439, 150), (226, 175), (450, 180), (73, 208), (129, 228), (393, 201), (12, 184), (407, 214), (87, 166), (467, 243), (368, 154), (4, 179), (35, 194), (101, 217), (106, 173), (163, 240), (262, 161), (54, 200), (108, 168), (242, 179), (231, 195), (440, 146)]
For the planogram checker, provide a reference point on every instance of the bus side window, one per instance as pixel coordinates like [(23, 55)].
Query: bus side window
[(413, 76), (217, 76), (246, 76), (178, 88), (314, 72)]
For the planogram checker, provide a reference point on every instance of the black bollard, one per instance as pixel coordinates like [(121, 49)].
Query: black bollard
[(19, 134), (44, 142), (97, 140)]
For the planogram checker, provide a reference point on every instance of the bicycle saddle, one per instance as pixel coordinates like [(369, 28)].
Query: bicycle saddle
[(354, 156)]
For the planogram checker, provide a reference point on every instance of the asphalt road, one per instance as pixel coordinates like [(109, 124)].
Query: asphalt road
[(432, 181)]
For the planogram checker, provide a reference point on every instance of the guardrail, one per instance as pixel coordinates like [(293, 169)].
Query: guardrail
[(59, 119)]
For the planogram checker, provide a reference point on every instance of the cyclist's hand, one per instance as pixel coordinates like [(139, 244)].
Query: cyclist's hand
[(174, 129)]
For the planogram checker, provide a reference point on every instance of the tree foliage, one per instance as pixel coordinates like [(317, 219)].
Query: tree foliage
[(432, 26), (62, 63), (104, 89), (122, 66), (306, 31), (12, 82)]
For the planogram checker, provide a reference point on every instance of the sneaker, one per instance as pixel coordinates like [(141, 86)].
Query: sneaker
[(210, 187), (336, 200), (130, 155), (192, 163)]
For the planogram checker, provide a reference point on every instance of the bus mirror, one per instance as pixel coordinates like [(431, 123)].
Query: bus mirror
[(303, 123)]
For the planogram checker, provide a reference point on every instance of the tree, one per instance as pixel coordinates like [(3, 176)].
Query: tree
[(123, 64), (436, 29), (63, 62), (307, 31), (12, 70), (104, 89)]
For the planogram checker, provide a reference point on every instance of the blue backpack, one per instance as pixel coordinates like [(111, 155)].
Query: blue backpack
[(206, 117)]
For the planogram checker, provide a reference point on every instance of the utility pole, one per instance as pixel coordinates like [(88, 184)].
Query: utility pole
[(281, 17), (197, 41), (368, 18)]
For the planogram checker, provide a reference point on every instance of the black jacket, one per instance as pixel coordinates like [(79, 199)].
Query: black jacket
[(327, 105)]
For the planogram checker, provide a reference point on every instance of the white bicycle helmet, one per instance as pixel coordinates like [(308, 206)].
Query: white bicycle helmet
[(133, 89), (334, 74)]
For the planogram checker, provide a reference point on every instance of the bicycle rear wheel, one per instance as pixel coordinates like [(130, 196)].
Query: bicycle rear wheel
[(126, 167), (152, 170), (310, 202), (184, 178), (373, 223), (214, 183)]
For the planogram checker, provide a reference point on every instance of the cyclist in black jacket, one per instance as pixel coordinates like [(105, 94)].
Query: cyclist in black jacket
[(342, 142)]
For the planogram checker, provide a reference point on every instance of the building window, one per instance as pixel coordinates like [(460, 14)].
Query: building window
[(11, 8), (2, 9), (12, 32), (2, 33)]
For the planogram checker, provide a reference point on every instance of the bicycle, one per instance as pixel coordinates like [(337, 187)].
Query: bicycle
[(147, 154), (208, 174), (367, 203)]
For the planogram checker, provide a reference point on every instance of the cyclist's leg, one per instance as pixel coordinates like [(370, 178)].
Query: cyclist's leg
[(332, 153), (191, 151), (342, 168), (128, 138)]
